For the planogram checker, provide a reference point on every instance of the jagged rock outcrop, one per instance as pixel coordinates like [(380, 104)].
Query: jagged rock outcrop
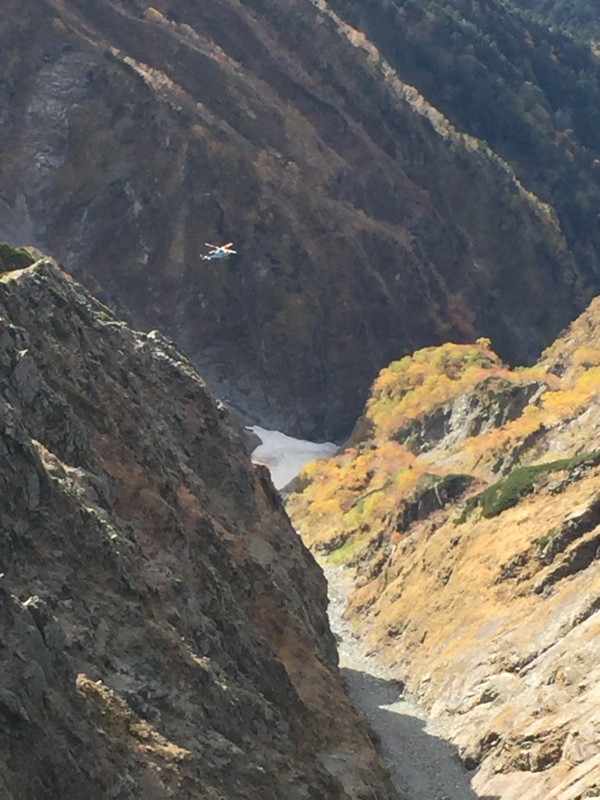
[(162, 629), (482, 596), (367, 225)]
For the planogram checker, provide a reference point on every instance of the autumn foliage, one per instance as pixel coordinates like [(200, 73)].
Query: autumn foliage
[(359, 494)]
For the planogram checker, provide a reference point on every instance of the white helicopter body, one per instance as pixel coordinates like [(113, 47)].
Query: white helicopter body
[(219, 251)]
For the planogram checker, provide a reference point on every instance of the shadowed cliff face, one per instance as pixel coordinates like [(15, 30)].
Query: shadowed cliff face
[(366, 225), (163, 630), (468, 501)]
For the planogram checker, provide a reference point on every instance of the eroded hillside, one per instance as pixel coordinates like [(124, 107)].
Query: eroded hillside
[(468, 503), (367, 223), (163, 630)]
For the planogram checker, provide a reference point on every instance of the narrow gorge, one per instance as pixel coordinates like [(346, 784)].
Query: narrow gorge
[(414, 747), (299, 400)]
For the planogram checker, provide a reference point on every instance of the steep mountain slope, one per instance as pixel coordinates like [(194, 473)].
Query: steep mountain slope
[(468, 501), (163, 631), (532, 94), (367, 225), (581, 16)]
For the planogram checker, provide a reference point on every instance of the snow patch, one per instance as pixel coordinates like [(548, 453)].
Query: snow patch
[(284, 455)]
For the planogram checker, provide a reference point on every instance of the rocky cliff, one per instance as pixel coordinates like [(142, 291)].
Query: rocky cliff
[(368, 223), (163, 630), (467, 502)]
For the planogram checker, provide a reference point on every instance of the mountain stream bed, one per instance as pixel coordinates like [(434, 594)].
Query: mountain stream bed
[(422, 764)]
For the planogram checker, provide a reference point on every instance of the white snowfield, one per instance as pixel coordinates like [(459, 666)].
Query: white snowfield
[(285, 456)]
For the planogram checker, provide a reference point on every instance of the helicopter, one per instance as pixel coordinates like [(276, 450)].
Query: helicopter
[(219, 251)]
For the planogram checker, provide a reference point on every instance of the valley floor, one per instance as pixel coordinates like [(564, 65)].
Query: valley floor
[(423, 765)]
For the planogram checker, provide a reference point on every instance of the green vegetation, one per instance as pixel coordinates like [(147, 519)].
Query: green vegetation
[(507, 493), (13, 258), (102, 311), (522, 481), (344, 553), (135, 729), (545, 540), (530, 93), (580, 16)]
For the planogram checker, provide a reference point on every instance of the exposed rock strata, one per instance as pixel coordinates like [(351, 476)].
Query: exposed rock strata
[(483, 601), (163, 630)]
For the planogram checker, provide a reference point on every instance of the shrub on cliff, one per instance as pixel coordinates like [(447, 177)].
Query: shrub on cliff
[(521, 481), (13, 258)]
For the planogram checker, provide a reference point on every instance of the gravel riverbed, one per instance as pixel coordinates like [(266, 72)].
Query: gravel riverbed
[(422, 764)]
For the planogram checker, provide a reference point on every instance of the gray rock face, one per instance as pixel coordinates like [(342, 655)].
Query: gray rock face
[(495, 403), (162, 629)]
